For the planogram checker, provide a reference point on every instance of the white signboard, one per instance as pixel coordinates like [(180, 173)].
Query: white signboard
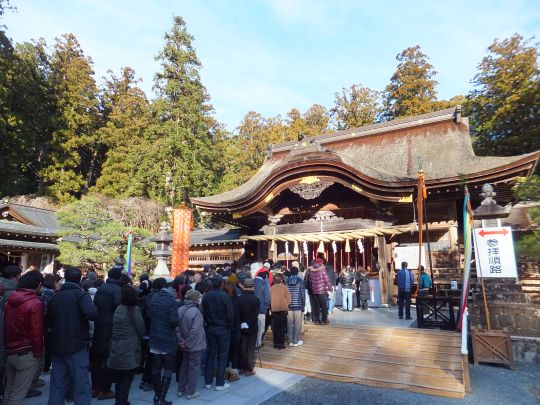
[(494, 252), (408, 254)]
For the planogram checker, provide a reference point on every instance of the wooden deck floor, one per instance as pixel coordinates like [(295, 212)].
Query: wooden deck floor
[(426, 361)]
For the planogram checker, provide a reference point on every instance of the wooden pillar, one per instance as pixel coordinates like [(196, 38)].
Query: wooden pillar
[(383, 273)]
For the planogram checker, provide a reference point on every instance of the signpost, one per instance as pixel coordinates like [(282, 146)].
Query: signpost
[(494, 252)]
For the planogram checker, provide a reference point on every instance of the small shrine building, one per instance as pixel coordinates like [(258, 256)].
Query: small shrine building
[(350, 195)]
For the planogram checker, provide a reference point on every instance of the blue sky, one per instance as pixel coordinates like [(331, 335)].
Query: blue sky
[(269, 56)]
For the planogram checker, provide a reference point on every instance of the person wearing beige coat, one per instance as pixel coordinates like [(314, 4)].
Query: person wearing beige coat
[(280, 298)]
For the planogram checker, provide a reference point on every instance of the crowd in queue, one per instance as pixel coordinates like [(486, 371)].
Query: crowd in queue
[(207, 323)]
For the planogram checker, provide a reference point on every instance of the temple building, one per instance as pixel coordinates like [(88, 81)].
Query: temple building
[(28, 236), (350, 195)]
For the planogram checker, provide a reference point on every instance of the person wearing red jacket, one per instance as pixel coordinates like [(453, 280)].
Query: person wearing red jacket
[(23, 322)]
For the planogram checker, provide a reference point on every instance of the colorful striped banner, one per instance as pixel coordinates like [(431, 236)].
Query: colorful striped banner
[(128, 254), (467, 240)]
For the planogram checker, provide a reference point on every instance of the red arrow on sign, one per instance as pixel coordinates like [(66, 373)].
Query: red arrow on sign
[(502, 232)]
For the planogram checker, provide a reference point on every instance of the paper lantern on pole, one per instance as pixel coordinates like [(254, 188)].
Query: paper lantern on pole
[(295, 248), (347, 246), (273, 246), (321, 247)]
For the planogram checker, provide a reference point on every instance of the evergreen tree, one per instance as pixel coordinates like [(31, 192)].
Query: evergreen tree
[(180, 160), (355, 107), (412, 88), (504, 107), (126, 116), (75, 145)]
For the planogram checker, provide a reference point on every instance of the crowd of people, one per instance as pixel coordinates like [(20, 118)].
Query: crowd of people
[(90, 333)]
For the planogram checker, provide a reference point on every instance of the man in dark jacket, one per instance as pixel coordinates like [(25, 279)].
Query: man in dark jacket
[(68, 314), (23, 315), (317, 278), (262, 292), (248, 310), (218, 316), (405, 280), (106, 300)]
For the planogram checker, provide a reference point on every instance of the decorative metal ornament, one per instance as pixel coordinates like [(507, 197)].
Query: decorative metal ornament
[(321, 247), (312, 190), (347, 246), (295, 248)]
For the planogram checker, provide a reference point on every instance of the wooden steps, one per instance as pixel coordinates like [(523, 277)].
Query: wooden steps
[(425, 361)]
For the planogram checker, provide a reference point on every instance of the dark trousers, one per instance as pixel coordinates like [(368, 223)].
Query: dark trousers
[(404, 297), (70, 369), (247, 351), (123, 380), (100, 373), (279, 328), (166, 361), (47, 352), (189, 372), (319, 307), (218, 339), (147, 363), (234, 351)]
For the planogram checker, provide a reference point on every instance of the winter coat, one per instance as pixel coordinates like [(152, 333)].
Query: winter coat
[(164, 320), (69, 312), (127, 334), (347, 280), (317, 279), (363, 286), (190, 329), (107, 299), (298, 296), (45, 297), (248, 311), (262, 292), (217, 309), (23, 320), (280, 298)]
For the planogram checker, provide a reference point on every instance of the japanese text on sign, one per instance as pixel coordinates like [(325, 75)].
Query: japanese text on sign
[(494, 252)]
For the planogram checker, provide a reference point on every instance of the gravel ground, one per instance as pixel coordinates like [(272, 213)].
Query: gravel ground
[(491, 385)]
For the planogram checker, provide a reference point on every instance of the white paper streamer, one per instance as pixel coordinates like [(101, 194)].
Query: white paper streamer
[(360, 246), (306, 251), (287, 249), (334, 247)]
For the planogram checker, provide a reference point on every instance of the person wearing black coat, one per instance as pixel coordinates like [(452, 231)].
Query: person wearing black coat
[(107, 299), (218, 316), (248, 312), (68, 314)]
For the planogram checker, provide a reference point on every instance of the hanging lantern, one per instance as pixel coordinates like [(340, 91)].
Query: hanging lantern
[(273, 246), (347, 246), (334, 247), (295, 248), (360, 246), (321, 247)]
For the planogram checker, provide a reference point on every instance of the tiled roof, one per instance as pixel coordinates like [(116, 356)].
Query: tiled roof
[(28, 245), (207, 237), (38, 216), (14, 227)]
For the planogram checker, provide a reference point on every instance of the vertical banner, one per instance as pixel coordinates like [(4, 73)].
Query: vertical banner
[(128, 253), (467, 241), (182, 220)]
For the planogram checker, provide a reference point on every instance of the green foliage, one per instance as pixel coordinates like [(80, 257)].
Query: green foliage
[(355, 106), (504, 107), (412, 88), (529, 245), (126, 116), (90, 232), (179, 159), (75, 145)]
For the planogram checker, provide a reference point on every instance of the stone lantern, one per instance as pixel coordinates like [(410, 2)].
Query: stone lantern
[(162, 252)]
